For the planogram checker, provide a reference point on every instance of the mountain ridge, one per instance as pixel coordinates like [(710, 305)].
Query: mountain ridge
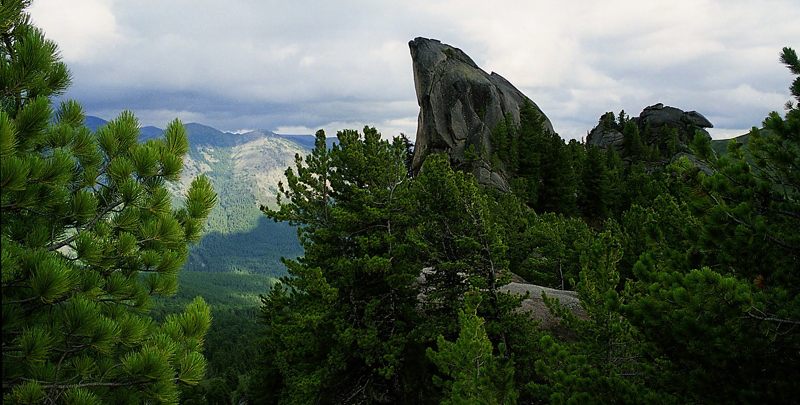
[(244, 170)]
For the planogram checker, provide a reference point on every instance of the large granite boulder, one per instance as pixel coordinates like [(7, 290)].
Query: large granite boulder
[(460, 104), (655, 123)]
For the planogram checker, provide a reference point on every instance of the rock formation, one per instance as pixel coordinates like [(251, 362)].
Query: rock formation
[(654, 123), (460, 104), (533, 304)]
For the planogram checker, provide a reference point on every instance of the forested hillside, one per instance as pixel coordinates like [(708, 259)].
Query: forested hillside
[(230, 346), (245, 169)]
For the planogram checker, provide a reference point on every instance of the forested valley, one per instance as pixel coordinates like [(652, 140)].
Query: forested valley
[(683, 253)]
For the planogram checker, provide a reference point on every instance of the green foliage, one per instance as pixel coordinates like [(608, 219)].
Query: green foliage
[(339, 328), (789, 58), (459, 243), (554, 244), (349, 323), (686, 280), (665, 228), (607, 120), (32, 69), (595, 186), (632, 141), (721, 302), (673, 142), (254, 251), (505, 143), (230, 342), (89, 235), (622, 118), (607, 362), (470, 155), (540, 163), (475, 374)]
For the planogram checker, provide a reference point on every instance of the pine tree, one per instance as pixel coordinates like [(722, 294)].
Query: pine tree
[(545, 178), (595, 185), (554, 244), (460, 244), (505, 145), (729, 328), (89, 235), (474, 375), (632, 141), (341, 328), (606, 361)]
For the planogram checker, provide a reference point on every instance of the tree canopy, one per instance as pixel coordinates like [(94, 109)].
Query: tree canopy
[(89, 234), (686, 273)]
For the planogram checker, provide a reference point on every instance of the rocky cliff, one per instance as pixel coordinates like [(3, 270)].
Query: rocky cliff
[(460, 104), (655, 124)]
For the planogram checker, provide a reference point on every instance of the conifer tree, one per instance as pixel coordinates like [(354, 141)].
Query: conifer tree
[(554, 246), (605, 361), (89, 234), (632, 141), (474, 375), (461, 246), (729, 328), (340, 329), (595, 184)]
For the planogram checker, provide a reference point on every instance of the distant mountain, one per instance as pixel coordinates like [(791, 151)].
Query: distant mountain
[(721, 146), (150, 132), (309, 140), (245, 170), (94, 122), (305, 140)]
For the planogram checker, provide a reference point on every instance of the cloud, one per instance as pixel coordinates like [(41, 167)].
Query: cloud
[(86, 29), (577, 59), (306, 65)]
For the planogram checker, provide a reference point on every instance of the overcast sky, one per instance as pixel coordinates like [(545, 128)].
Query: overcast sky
[(296, 66)]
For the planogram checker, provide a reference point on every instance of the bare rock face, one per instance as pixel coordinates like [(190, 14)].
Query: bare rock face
[(460, 104)]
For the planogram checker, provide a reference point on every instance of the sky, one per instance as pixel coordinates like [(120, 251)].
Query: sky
[(294, 67)]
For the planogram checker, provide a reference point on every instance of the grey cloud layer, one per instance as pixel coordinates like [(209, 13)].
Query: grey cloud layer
[(255, 64)]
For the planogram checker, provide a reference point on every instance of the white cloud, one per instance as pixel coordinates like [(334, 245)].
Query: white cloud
[(295, 130), (84, 29), (727, 133), (307, 65)]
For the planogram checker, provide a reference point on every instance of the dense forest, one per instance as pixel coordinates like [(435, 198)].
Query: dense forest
[(687, 272), (686, 269)]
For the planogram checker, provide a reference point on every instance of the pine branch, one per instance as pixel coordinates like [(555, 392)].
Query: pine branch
[(89, 227), (767, 318)]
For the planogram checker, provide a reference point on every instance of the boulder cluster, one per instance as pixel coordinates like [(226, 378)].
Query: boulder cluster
[(654, 123)]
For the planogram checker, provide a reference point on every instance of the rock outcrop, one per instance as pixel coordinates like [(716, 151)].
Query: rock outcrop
[(533, 305), (654, 123), (460, 104)]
